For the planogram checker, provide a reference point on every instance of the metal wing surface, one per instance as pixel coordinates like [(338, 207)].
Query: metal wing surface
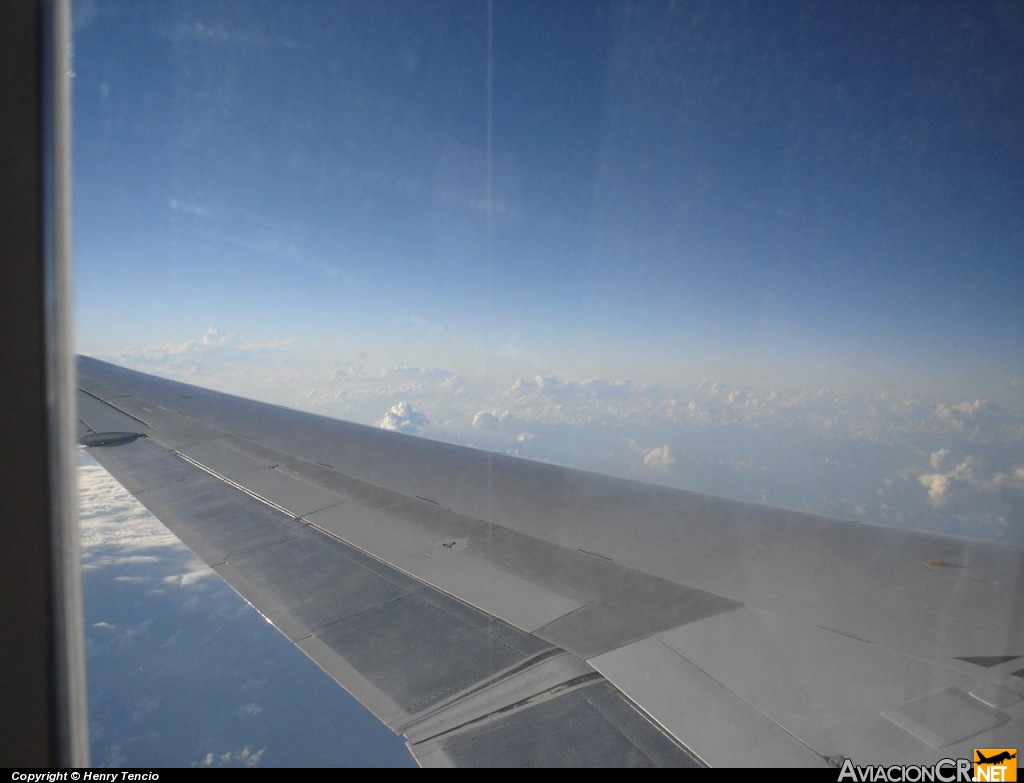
[(497, 611)]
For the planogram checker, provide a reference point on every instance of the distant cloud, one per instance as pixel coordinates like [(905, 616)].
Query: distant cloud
[(485, 420), (938, 486), (965, 479), (950, 474), (660, 458), (92, 561), (214, 358), (938, 459), (418, 373), (903, 458), (588, 387), (695, 414), (191, 208), (959, 416), (403, 418), (215, 335), (243, 757), (1011, 480), (490, 421), (189, 578)]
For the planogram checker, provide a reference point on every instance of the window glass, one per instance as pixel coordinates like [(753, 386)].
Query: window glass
[(765, 251)]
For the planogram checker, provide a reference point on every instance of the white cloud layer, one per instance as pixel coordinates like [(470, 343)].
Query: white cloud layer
[(116, 530), (896, 458), (110, 518)]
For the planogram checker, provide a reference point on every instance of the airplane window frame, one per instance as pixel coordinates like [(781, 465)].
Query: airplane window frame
[(44, 719)]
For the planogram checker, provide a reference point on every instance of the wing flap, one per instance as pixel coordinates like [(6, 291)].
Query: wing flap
[(441, 560), (587, 726), (422, 660), (719, 725)]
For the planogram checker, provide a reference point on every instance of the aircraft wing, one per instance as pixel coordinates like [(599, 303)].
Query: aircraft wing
[(497, 611)]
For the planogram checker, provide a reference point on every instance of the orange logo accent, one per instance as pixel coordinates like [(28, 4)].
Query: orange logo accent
[(995, 765)]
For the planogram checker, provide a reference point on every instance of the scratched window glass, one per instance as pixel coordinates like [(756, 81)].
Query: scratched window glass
[(766, 252)]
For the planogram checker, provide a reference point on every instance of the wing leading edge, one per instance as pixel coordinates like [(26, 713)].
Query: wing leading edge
[(496, 611)]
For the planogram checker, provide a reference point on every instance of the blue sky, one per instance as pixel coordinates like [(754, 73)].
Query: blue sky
[(768, 251), (828, 187)]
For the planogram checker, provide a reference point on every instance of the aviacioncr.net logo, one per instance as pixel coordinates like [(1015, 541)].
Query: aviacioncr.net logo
[(945, 771), (995, 765)]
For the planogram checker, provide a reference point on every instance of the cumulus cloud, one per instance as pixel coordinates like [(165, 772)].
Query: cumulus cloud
[(659, 458), (965, 477), (403, 418), (1011, 480), (491, 421), (949, 475), (978, 420), (215, 335), (485, 420), (939, 459)]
